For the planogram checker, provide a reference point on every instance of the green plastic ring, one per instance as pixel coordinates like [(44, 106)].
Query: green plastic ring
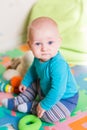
[(29, 122)]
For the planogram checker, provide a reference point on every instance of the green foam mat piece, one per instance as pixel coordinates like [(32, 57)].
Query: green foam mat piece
[(3, 128), (15, 53), (2, 69), (82, 102)]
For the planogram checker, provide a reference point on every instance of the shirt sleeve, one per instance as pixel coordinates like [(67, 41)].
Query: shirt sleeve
[(58, 74), (30, 76)]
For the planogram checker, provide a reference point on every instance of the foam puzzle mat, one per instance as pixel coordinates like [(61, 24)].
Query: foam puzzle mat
[(78, 119)]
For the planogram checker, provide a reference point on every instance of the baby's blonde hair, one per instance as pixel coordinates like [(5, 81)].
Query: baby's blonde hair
[(39, 22)]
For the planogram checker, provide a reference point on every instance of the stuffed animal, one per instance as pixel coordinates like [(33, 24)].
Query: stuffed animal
[(14, 63), (26, 62), (10, 73), (19, 66)]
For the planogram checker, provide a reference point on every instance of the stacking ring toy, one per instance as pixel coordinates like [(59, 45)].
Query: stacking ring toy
[(29, 122)]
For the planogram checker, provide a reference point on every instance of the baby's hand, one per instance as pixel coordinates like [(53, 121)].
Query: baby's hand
[(40, 111), (22, 88)]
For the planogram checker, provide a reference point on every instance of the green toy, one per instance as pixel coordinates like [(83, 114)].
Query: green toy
[(30, 122)]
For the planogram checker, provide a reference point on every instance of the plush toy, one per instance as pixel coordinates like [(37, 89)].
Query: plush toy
[(26, 61), (18, 66), (14, 63), (10, 73)]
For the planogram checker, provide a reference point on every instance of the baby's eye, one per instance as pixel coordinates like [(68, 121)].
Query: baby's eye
[(50, 42), (37, 43)]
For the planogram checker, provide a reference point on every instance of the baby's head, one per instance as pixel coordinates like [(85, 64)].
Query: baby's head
[(44, 39)]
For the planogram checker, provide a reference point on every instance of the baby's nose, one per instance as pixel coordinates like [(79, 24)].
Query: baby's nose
[(44, 47)]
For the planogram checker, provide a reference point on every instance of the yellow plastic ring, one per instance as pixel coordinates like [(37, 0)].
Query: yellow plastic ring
[(8, 88)]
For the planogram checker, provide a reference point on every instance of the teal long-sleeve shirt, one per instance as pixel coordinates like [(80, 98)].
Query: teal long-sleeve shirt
[(56, 80)]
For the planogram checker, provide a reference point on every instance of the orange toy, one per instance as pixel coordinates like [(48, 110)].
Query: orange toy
[(15, 82)]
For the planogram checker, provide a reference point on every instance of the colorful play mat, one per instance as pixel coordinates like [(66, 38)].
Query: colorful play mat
[(9, 120)]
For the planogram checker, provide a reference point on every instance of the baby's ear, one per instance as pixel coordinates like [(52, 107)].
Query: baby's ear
[(28, 42)]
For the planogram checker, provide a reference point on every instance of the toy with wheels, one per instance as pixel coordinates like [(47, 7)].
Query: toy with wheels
[(29, 122)]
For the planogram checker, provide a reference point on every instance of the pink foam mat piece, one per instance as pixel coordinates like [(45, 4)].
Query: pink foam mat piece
[(71, 122), (4, 95)]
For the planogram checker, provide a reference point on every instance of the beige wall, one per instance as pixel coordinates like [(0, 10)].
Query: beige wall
[(12, 16)]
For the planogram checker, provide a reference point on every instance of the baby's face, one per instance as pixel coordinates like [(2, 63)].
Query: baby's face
[(44, 42)]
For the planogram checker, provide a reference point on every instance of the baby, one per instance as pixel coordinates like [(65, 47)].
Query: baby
[(49, 76)]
